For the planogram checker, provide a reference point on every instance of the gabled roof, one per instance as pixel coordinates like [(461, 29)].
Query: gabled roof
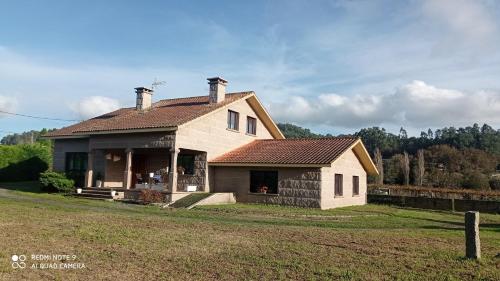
[(318, 152), (164, 114)]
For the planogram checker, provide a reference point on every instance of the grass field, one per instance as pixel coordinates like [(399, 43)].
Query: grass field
[(119, 241)]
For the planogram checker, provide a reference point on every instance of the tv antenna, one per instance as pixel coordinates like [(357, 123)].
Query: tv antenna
[(156, 83)]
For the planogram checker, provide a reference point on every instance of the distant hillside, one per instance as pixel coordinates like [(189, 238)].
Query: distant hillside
[(293, 132)]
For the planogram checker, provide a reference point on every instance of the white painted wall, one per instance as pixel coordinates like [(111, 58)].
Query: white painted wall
[(348, 165)]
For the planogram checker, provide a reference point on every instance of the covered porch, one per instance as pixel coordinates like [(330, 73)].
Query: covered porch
[(163, 169)]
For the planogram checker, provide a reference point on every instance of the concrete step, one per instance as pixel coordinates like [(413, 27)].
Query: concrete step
[(93, 198), (99, 193), (101, 189), (94, 195), (96, 191)]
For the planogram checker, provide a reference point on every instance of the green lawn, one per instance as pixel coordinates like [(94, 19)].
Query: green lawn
[(119, 241)]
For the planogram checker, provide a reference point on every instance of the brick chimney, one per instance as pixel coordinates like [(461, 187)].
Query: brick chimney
[(217, 90), (144, 97)]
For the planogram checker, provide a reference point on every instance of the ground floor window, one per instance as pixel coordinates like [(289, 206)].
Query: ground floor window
[(76, 166), (185, 164), (264, 182), (355, 185), (339, 188)]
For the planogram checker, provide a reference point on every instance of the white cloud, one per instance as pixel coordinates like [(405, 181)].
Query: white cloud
[(416, 104), (94, 106), (8, 104), (465, 23)]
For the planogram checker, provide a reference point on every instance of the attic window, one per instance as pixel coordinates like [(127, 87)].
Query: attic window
[(232, 120), (251, 125)]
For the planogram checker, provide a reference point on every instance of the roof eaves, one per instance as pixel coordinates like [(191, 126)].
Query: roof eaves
[(246, 164)]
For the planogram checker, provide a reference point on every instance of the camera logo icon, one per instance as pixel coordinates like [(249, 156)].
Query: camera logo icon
[(18, 261)]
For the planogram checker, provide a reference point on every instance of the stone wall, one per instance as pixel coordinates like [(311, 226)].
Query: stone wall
[(437, 203), (296, 186), (198, 177)]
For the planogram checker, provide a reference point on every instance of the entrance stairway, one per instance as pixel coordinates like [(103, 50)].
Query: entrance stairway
[(98, 193)]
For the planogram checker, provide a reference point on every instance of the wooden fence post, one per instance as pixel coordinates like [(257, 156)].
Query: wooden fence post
[(472, 244)]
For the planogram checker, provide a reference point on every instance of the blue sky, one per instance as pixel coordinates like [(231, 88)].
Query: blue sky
[(333, 66)]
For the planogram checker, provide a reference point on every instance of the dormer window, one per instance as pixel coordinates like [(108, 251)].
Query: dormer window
[(232, 120)]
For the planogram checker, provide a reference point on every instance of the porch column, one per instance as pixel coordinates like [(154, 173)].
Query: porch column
[(173, 170), (127, 177), (90, 169)]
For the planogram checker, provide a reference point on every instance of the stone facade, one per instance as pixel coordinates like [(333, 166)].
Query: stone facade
[(296, 186), (198, 176)]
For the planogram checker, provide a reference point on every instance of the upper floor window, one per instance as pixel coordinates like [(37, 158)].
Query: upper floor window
[(355, 185), (232, 120), (339, 182), (251, 125)]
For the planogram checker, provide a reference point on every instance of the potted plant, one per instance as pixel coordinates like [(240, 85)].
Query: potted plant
[(98, 180), (263, 189)]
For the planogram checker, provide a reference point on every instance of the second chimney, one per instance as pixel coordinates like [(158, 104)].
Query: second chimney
[(144, 98), (217, 90)]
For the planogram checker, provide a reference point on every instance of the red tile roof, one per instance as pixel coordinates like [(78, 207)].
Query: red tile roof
[(163, 114), (320, 151)]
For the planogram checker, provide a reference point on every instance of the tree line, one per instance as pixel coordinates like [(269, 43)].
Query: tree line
[(28, 137), (466, 157)]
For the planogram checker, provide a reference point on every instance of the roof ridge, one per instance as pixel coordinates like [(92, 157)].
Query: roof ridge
[(203, 96)]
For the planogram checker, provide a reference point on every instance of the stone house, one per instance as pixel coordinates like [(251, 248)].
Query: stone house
[(220, 142)]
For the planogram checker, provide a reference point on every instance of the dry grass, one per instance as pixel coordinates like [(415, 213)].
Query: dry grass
[(239, 242)]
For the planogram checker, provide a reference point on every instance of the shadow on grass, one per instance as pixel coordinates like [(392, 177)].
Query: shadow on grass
[(24, 186), (454, 225)]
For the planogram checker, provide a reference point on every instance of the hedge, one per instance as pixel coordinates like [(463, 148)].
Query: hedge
[(24, 162)]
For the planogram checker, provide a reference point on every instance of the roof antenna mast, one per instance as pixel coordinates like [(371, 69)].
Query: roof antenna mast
[(156, 83)]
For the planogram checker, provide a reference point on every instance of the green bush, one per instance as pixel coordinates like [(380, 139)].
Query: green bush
[(24, 162), (495, 182), (476, 180), (56, 182)]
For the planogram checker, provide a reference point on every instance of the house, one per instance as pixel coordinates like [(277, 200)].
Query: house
[(220, 142)]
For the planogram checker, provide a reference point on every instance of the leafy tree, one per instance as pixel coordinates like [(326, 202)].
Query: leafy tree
[(28, 137), (292, 131), (376, 137), (476, 180)]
